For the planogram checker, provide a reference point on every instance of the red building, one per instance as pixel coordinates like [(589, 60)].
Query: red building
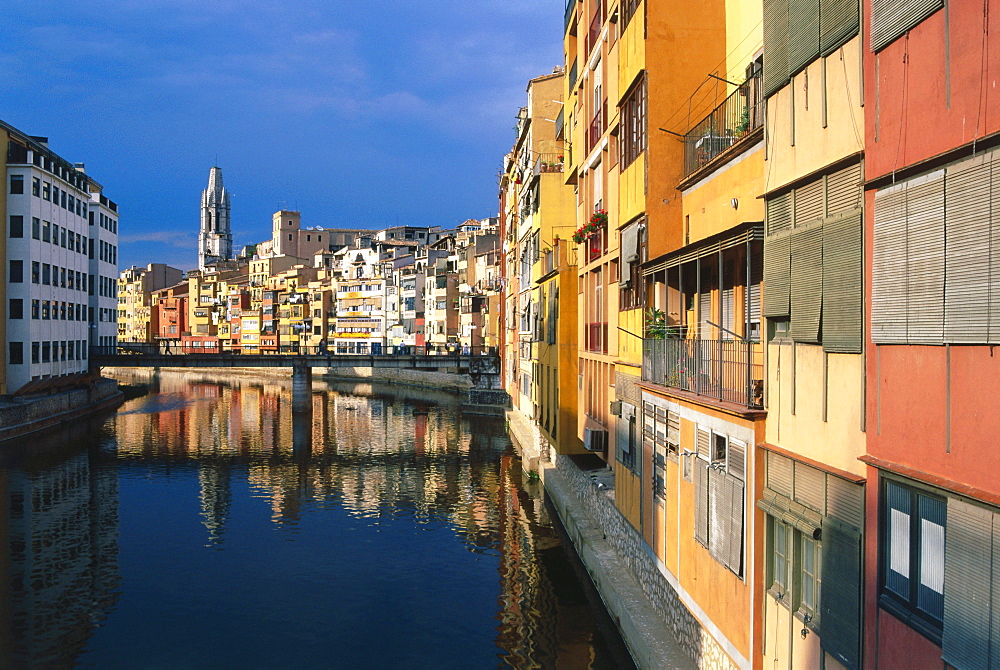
[(932, 238), (170, 305)]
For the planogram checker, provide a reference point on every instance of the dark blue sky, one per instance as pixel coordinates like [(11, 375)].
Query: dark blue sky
[(356, 113)]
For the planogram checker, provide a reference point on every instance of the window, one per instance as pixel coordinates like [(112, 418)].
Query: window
[(632, 139), (46, 231), (34, 352), (16, 228), (912, 560), (15, 308), (46, 352), (35, 266), (46, 271), (16, 274), (46, 191), (36, 226), (36, 186), (15, 353), (35, 310), (17, 184), (719, 497), (626, 438)]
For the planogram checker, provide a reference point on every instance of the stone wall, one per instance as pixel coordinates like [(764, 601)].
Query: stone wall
[(636, 556), (20, 417)]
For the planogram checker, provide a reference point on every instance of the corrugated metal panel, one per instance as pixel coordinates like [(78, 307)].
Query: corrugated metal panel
[(925, 251), (842, 279), (843, 190), (845, 500), (736, 463), (779, 474), (840, 594), (889, 266), (809, 203), (777, 277), (967, 276), (810, 487), (775, 45), (891, 18), (838, 23), (803, 33), (778, 213), (701, 501), (966, 634), (806, 284)]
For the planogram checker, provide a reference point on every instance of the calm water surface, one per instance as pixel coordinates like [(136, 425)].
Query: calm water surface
[(204, 525)]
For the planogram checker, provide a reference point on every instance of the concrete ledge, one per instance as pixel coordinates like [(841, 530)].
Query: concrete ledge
[(39, 421), (643, 629)]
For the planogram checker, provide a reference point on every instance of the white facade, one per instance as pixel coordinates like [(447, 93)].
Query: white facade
[(103, 284), (215, 239), (48, 242)]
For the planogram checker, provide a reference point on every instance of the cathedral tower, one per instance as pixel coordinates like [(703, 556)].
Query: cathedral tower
[(215, 241)]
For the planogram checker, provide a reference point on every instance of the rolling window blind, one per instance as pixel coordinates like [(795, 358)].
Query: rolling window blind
[(842, 290), (966, 633), (803, 33), (838, 23), (840, 593), (889, 266), (806, 284), (967, 287), (891, 18), (777, 277), (775, 45), (925, 251)]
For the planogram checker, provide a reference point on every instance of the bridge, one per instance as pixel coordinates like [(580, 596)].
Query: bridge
[(481, 364)]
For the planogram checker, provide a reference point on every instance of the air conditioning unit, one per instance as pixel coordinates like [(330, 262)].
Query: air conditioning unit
[(616, 408), (595, 439)]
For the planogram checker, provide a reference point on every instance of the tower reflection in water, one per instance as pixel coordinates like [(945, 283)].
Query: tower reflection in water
[(399, 453)]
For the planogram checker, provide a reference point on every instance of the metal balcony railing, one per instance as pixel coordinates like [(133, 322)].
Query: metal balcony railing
[(727, 370), (738, 116), (549, 162)]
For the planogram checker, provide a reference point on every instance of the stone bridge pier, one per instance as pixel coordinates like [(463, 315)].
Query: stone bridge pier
[(301, 386)]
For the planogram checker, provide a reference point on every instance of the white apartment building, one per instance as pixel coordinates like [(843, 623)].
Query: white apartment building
[(102, 252), (48, 202)]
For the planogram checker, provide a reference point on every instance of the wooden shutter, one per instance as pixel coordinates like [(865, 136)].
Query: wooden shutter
[(925, 251), (803, 33), (674, 428), (718, 516), (845, 500), (838, 23), (891, 18), (806, 283), (736, 463), (842, 279), (967, 276), (889, 266), (734, 543), (775, 45), (701, 502), (966, 634), (704, 444), (779, 473), (622, 431), (809, 203), (843, 187), (778, 213), (841, 615), (777, 277), (810, 487)]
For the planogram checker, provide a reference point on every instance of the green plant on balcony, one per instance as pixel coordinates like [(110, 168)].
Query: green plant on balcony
[(676, 377), (744, 124), (656, 324)]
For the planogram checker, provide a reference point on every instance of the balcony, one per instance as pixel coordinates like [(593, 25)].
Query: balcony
[(597, 125), (596, 335), (549, 163), (737, 117), (596, 23), (727, 370)]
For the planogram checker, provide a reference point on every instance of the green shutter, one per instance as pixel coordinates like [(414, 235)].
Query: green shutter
[(803, 33), (701, 501), (967, 276), (841, 616), (843, 190), (891, 18), (778, 213), (966, 634), (925, 250), (845, 500), (775, 45), (806, 284), (777, 277), (779, 473), (842, 278), (838, 23), (809, 203), (889, 266)]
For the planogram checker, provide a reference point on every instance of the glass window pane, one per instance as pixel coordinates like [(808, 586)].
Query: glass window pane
[(897, 574), (930, 595)]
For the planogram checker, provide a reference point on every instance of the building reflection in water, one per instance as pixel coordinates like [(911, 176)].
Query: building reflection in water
[(59, 568), (390, 451)]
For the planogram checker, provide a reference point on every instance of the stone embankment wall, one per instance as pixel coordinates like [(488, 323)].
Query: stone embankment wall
[(658, 629), (22, 417)]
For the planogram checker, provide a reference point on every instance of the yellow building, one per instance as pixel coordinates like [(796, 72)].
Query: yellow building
[(812, 489), (137, 316)]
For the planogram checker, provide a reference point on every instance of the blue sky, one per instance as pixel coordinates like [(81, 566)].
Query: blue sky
[(356, 113)]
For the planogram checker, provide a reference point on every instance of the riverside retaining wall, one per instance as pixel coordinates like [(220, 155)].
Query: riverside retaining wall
[(23, 417)]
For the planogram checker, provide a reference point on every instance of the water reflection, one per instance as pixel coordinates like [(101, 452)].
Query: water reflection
[(346, 516)]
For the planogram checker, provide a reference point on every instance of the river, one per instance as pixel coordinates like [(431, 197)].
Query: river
[(205, 525)]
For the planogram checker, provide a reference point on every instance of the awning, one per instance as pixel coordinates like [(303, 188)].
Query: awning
[(794, 514), (734, 237)]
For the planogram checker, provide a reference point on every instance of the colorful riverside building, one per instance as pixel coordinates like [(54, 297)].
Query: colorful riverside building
[(932, 238), (811, 496), (138, 313), (538, 210)]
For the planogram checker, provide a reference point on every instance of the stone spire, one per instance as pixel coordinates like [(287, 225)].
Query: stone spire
[(215, 241)]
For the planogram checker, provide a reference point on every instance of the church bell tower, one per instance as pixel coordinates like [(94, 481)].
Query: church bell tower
[(215, 241)]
